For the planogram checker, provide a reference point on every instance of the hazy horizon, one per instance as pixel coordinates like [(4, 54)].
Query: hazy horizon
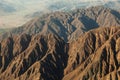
[(15, 13)]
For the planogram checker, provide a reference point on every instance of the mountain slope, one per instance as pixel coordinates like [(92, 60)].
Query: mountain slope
[(70, 25), (42, 57), (95, 55)]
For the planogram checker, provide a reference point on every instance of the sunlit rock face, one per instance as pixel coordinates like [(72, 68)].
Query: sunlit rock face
[(94, 56)]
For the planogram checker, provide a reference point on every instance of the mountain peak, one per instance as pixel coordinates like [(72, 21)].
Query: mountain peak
[(70, 25)]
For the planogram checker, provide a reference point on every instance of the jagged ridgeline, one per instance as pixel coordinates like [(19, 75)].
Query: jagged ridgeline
[(70, 25), (94, 56)]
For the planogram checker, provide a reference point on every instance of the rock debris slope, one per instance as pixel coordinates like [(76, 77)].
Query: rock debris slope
[(93, 56)]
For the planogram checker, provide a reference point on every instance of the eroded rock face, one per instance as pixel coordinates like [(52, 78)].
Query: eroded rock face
[(95, 55), (43, 57)]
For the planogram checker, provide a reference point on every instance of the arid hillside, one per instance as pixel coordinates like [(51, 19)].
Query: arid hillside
[(94, 55), (32, 57)]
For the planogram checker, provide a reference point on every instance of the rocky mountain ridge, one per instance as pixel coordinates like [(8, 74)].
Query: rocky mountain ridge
[(94, 56), (71, 25)]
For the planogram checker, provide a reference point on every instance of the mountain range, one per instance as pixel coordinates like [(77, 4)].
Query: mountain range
[(93, 56), (82, 44), (69, 25)]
